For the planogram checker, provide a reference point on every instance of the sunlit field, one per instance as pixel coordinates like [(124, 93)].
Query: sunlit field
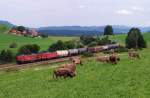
[(127, 79), (44, 43)]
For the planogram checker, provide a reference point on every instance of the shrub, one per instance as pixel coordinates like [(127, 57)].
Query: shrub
[(6, 56), (29, 49), (104, 41), (92, 44), (70, 44), (107, 52), (35, 48), (59, 45), (79, 45), (121, 49), (86, 40), (73, 44), (13, 45), (44, 35), (88, 54)]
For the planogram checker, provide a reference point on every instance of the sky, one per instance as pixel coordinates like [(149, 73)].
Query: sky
[(40, 13)]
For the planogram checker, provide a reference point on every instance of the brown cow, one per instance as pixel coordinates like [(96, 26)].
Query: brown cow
[(133, 54), (104, 59), (63, 72), (64, 66), (76, 60), (113, 58), (71, 66)]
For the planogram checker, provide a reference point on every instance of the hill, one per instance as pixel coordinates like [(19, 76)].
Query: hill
[(5, 26), (78, 30), (84, 30), (6, 23), (7, 39), (127, 79)]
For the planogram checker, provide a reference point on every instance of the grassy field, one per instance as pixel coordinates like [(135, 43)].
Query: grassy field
[(6, 40), (127, 79)]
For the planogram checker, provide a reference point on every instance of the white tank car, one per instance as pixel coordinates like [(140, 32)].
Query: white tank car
[(62, 53)]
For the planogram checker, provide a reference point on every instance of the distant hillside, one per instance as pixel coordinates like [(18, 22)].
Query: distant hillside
[(6, 23), (86, 30), (77, 30)]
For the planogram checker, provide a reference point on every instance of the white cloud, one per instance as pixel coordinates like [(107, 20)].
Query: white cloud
[(124, 12), (137, 8), (148, 23), (82, 6)]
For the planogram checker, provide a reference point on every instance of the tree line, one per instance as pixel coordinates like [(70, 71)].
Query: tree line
[(134, 40)]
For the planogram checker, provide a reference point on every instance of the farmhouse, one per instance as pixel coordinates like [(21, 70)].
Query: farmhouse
[(30, 32)]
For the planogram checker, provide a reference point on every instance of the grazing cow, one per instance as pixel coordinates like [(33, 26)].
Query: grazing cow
[(63, 72), (114, 58), (64, 66), (133, 54), (71, 66), (76, 60), (104, 59)]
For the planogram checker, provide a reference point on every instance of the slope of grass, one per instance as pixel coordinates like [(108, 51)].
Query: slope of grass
[(6, 40), (4, 28), (127, 79)]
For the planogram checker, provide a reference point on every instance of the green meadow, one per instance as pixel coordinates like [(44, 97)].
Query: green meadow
[(44, 43), (127, 79)]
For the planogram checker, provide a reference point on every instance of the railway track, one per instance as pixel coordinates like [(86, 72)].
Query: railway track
[(7, 66)]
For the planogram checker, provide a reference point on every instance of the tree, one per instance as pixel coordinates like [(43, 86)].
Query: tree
[(135, 39), (24, 50), (79, 45), (93, 44), (44, 35), (13, 45), (21, 28), (70, 44), (59, 45), (35, 48), (104, 40), (86, 40), (108, 30), (29, 49), (6, 56)]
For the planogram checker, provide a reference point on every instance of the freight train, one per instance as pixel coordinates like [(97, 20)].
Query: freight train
[(23, 59)]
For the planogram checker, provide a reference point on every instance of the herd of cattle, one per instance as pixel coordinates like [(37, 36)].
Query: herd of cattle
[(69, 70), (22, 59)]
